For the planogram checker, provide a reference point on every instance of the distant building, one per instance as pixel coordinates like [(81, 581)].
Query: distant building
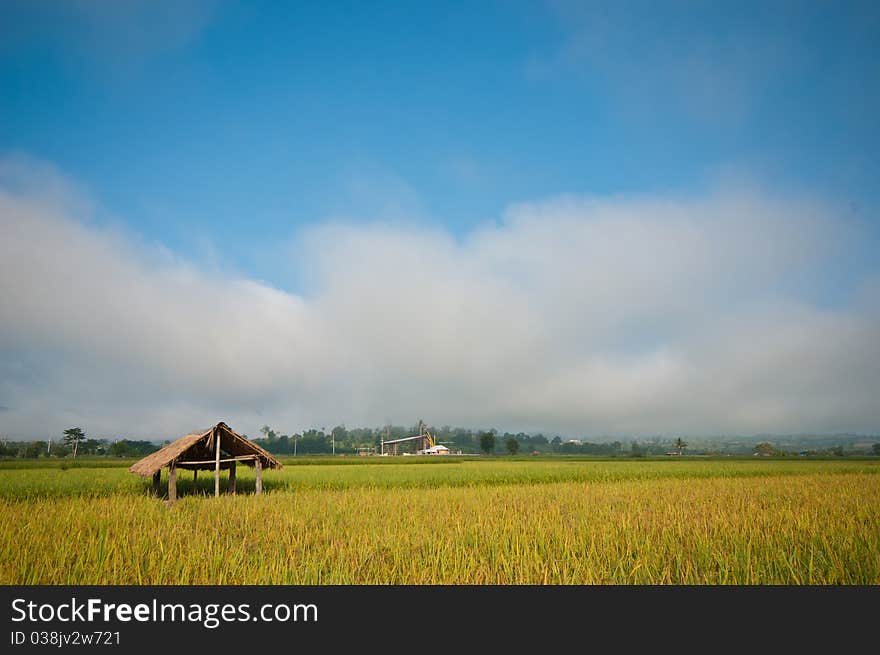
[(439, 449)]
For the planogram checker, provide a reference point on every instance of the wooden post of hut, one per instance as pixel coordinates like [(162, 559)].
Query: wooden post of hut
[(217, 448), (231, 488), (216, 463), (172, 481), (195, 481)]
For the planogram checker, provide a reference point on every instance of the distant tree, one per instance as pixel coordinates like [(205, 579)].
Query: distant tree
[(764, 448), (35, 449), (312, 442), (680, 445), (119, 448), (512, 445), (337, 437), (487, 442), (570, 448), (837, 450), (73, 437), (93, 447), (555, 443), (875, 449), (141, 448), (635, 450)]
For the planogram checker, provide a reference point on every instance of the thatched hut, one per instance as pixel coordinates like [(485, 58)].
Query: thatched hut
[(218, 448)]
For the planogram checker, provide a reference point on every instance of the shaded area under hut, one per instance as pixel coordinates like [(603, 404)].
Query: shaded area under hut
[(219, 448)]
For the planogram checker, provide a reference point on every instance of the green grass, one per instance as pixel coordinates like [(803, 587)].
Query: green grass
[(462, 521)]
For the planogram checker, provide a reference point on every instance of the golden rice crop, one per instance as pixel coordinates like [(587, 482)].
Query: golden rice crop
[(476, 522)]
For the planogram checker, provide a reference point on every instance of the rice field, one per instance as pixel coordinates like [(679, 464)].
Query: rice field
[(453, 521)]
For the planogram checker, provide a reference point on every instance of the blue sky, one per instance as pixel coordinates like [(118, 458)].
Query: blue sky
[(234, 124), (270, 143)]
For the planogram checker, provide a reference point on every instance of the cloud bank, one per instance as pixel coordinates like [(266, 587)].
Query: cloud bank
[(724, 313)]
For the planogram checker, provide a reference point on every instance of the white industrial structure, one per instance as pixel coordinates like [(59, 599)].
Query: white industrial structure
[(425, 441)]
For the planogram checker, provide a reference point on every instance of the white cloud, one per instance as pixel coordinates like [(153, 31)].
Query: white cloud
[(588, 316)]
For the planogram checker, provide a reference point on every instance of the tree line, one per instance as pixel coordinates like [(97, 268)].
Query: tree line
[(341, 440), (73, 442)]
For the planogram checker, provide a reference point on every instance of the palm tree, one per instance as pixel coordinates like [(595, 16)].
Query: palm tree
[(680, 445), (72, 436)]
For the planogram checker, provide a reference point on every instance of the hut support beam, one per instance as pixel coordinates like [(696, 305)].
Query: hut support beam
[(258, 469), (172, 482), (217, 464), (156, 477), (195, 481), (223, 460), (232, 478)]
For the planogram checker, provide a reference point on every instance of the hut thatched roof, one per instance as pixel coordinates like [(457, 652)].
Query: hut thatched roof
[(197, 451)]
